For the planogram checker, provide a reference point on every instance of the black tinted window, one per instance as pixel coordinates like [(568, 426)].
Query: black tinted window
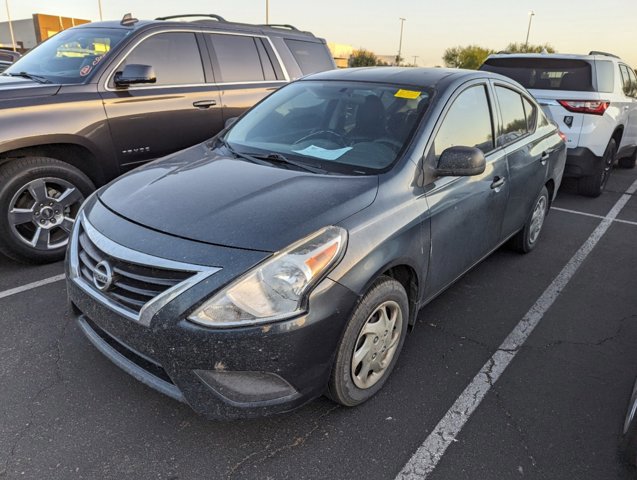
[(513, 117), (530, 111), (311, 56), (605, 75), (238, 58), (467, 123), (544, 73), (174, 56), (266, 61)]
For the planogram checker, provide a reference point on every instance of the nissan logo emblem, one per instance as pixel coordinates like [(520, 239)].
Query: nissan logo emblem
[(103, 276)]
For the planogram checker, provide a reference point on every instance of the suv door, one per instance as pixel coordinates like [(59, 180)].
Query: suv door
[(528, 159), (245, 68), (465, 212), (629, 87), (179, 110)]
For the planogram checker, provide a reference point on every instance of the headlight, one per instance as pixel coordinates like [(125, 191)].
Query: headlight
[(275, 290)]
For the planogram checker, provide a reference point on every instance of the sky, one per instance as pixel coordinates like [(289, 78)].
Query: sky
[(571, 26)]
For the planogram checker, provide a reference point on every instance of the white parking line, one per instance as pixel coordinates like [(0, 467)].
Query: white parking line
[(426, 458), (31, 286), (592, 215)]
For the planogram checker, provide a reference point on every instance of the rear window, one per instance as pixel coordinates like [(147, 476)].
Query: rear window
[(544, 73), (311, 56)]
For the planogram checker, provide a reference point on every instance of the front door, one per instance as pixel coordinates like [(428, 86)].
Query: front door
[(181, 109), (466, 212)]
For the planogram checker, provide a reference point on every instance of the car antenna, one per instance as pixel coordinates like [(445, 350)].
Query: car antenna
[(128, 20)]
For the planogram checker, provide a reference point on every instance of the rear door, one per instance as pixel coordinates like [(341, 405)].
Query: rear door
[(181, 109), (466, 212), (246, 70)]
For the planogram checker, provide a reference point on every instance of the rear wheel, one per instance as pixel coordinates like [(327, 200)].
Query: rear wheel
[(39, 200), (628, 162), (593, 185), (628, 443), (526, 239), (370, 346)]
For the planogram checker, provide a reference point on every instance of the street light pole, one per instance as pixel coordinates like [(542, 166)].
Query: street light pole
[(99, 5), (400, 43), (415, 57), (528, 31), (10, 26), (267, 12)]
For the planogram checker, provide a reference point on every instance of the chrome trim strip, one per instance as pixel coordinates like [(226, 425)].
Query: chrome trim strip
[(210, 84), (118, 251)]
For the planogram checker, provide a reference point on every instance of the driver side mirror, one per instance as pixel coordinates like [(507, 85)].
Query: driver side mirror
[(461, 162), (134, 74)]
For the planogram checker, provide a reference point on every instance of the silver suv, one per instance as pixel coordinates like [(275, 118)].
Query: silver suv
[(592, 98)]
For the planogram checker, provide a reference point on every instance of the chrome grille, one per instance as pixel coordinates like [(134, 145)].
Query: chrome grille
[(133, 285)]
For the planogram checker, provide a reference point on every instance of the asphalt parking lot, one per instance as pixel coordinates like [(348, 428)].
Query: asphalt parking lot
[(555, 412)]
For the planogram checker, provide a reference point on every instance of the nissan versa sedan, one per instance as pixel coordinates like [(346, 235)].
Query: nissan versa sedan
[(287, 257)]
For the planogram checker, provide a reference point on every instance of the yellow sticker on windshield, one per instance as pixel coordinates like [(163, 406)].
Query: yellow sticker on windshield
[(410, 94)]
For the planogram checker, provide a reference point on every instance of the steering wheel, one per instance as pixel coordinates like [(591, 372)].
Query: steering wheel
[(391, 143), (340, 139)]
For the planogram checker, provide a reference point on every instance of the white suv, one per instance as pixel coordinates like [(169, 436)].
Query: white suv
[(592, 98)]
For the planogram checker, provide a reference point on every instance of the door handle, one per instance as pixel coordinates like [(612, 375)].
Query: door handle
[(204, 103), (544, 158), (497, 183)]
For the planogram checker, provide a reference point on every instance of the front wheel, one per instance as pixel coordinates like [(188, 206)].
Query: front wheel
[(526, 239), (370, 346), (39, 201)]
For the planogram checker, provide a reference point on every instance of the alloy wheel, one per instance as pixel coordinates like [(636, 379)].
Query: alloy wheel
[(537, 219)]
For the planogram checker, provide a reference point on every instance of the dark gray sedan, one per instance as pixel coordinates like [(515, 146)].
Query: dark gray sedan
[(286, 257)]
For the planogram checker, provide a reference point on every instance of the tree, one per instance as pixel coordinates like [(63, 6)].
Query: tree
[(363, 58), (470, 57), (523, 48)]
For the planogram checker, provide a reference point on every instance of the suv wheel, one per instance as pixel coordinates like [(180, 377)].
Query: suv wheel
[(628, 162), (39, 200), (370, 346), (593, 185)]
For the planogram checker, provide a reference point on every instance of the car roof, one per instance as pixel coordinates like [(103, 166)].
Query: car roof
[(424, 77), (557, 56)]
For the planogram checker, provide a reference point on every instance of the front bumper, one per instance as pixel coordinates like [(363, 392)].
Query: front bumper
[(220, 373), (581, 162)]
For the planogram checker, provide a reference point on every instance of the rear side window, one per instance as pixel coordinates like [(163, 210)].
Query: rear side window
[(605, 76), (238, 58), (174, 56), (311, 56), (628, 81), (514, 123), (544, 73), (467, 123)]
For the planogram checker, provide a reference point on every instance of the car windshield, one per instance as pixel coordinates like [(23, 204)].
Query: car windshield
[(70, 56), (345, 127)]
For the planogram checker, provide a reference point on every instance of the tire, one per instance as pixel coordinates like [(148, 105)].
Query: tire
[(628, 162), (39, 199), (350, 382), (526, 239), (628, 442), (593, 185)]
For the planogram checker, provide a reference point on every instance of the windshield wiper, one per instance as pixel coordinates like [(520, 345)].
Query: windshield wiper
[(242, 155), (278, 158), (30, 76)]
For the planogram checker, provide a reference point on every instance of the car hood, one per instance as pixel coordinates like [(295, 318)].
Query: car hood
[(202, 195), (18, 87)]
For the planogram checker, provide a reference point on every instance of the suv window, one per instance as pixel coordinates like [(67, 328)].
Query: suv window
[(629, 83), (467, 123), (514, 119), (311, 56), (605, 76), (238, 58), (544, 73), (173, 55)]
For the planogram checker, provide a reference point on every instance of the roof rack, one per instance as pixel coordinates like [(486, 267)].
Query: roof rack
[(219, 18), (606, 54), (286, 26)]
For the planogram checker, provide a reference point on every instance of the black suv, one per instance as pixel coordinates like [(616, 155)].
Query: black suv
[(99, 99)]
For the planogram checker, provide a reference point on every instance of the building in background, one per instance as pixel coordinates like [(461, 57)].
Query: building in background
[(340, 53), (29, 32)]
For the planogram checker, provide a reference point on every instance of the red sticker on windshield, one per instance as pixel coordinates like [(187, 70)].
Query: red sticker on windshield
[(85, 70)]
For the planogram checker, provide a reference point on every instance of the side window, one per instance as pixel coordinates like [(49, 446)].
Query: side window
[(530, 111), (311, 56), (514, 121), (467, 123), (633, 82), (628, 83), (238, 58), (174, 56)]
